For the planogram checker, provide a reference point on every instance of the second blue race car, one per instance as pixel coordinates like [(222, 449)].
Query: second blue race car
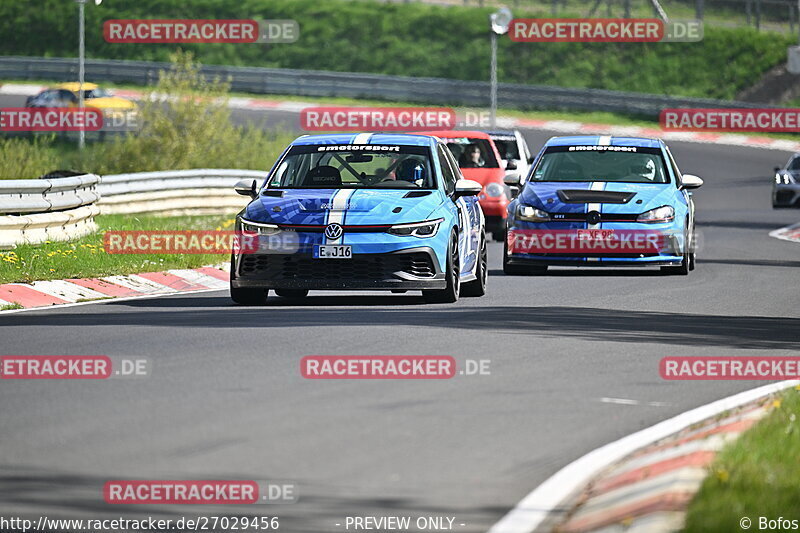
[(587, 195), (365, 211)]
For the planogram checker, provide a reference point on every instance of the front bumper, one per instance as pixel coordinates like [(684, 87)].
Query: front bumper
[(407, 269), (786, 195), (668, 253)]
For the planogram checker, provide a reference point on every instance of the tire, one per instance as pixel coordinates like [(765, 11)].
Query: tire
[(449, 294), (685, 266), (500, 235), (510, 269), (292, 293), (478, 287), (249, 296), (246, 296)]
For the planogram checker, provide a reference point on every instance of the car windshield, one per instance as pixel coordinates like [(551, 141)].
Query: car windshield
[(97, 93), (507, 146), (355, 166), (794, 164), (602, 163), (472, 153)]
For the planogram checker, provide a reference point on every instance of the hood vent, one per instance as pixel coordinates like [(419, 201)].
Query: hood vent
[(573, 196), (416, 194)]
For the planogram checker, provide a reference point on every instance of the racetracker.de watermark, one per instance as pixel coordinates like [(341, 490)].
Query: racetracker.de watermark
[(377, 118), (604, 30), (181, 242), (729, 368), (389, 367), (50, 119), (72, 367), (598, 241), (198, 492), (731, 120), (240, 31)]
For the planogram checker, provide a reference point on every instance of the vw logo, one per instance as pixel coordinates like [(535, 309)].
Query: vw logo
[(333, 231)]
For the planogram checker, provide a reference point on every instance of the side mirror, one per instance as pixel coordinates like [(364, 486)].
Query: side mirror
[(511, 165), (777, 169), (514, 182), (467, 188), (530, 160), (246, 188), (690, 181)]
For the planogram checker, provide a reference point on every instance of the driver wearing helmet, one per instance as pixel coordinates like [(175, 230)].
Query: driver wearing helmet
[(412, 171), (646, 170)]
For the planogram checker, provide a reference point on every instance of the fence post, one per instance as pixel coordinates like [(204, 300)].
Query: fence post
[(699, 9), (758, 15)]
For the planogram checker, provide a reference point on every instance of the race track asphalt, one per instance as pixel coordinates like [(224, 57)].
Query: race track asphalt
[(226, 399)]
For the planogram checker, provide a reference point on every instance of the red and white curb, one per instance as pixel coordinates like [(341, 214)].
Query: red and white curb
[(789, 233), (146, 284), (651, 489), (642, 482), (561, 126)]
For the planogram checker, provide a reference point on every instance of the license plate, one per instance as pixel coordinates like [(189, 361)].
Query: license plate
[(333, 251), (595, 234)]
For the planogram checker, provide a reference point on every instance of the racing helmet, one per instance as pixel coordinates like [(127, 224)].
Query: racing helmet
[(411, 170)]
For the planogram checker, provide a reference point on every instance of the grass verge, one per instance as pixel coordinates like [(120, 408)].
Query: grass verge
[(756, 476), (86, 258)]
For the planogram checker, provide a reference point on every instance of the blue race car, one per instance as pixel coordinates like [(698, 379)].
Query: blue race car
[(601, 201), (365, 211)]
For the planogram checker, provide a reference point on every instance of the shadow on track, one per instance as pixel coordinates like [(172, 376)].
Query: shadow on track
[(597, 324), (30, 493)]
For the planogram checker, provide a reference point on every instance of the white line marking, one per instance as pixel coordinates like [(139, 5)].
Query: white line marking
[(532, 511), (625, 401)]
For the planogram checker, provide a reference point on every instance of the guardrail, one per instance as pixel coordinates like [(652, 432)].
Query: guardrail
[(33, 211), (200, 191), (435, 91), (36, 210)]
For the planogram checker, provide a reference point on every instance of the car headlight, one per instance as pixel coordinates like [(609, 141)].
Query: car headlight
[(429, 228), (531, 214), (494, 190), (783, 179), (259, 228), (665, 213)]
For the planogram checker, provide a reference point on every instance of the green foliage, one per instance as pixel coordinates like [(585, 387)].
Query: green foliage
[(22, 158), (755, 476), (191, 128), (411, 39)]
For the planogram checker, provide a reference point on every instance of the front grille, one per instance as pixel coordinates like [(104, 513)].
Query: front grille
[(784, 196), (604, 217), (360, 267), (570, 196)]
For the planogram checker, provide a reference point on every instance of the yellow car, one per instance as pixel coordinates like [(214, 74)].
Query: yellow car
[(66, 95)]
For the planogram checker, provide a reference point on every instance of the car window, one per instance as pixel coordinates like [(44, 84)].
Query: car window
[(472, 152), (794, 164), (447, 171), (630, 164), (675, 170), (355, 166), (67, 96)]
